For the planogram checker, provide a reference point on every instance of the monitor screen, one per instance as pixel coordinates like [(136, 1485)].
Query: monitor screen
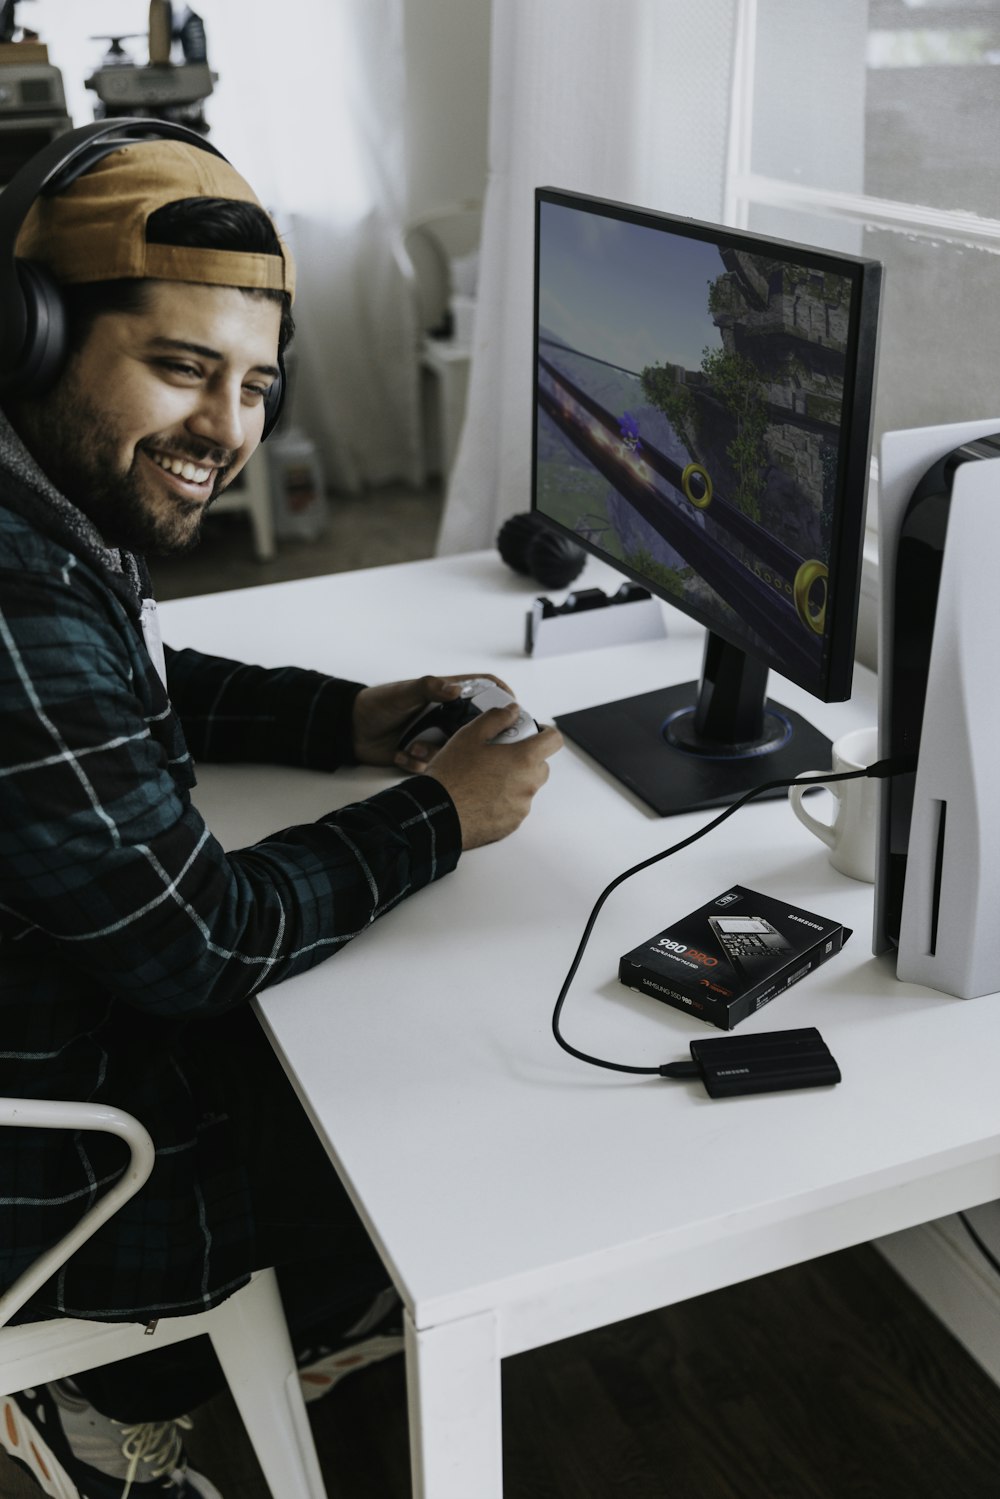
[(702, 422)]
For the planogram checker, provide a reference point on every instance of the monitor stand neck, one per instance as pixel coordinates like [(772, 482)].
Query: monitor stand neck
[(700, 744), (730, 717)]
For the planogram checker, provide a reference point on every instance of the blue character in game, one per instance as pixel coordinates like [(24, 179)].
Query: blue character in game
[(629, 429)]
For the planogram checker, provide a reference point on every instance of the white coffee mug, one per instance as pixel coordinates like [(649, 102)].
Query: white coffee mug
[(850, 837)]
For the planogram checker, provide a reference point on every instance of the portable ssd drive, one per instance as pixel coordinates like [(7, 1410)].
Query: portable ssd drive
[(768, 1062)]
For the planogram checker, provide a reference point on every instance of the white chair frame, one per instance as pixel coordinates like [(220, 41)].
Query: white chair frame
[(248, 1331), (253, 493)]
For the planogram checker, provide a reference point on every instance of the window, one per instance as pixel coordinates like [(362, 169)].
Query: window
[(871, 126)]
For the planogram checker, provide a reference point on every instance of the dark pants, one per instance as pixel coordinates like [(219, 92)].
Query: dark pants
[(307, 1228)]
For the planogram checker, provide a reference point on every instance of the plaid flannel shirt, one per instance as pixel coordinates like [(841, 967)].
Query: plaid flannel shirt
[(124, 924)]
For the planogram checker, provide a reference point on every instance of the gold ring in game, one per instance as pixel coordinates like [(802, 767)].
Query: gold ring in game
[(693, 471), (807, 576)]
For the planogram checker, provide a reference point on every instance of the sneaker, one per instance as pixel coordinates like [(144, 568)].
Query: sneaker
[(375, 1336), (73, 1452)]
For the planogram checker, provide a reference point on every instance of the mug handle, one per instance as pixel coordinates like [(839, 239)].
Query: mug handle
[(823, 830)]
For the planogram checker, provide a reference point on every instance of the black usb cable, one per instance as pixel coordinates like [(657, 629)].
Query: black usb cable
[(881, 770)]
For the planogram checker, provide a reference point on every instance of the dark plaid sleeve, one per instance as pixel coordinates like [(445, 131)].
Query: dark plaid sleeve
[(103, 857), (276, 716)]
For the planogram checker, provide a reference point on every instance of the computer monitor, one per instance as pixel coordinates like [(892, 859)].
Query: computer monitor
[(702, 422)]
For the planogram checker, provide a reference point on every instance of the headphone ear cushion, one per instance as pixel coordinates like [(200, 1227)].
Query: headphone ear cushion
[(41, 356), (274, 400)]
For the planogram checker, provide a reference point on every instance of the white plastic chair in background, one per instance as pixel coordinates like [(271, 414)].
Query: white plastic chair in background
[(251, 491), (248, 1331), (432, 247)]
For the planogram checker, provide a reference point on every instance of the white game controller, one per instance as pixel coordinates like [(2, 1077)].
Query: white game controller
[(436, 723)]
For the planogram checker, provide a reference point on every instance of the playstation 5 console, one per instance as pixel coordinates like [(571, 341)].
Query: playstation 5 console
[(937, 889)]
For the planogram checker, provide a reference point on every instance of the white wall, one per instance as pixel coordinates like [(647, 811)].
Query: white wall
[(446, 69)]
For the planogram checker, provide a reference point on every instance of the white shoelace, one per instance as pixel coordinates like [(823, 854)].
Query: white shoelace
[(156, 1443)]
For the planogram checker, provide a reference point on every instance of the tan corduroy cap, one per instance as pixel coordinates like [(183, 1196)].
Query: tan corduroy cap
[(95, 230)]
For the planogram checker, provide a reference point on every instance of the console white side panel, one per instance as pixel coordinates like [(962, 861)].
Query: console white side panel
[(957, 779), (936, 1259), (904, 458)]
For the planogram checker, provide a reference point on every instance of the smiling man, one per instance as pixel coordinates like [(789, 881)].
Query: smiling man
[(149, 490), (130, 942), (188, 362)]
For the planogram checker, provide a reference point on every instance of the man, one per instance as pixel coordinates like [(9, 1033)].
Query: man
[(130, 944)]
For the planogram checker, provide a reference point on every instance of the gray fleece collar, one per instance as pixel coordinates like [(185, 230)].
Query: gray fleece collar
[(15, 459)]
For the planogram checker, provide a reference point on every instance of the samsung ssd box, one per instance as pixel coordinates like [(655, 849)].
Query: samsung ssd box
[(732, 955)]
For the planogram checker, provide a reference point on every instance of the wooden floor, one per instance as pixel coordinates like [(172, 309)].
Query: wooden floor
[(830, 1380), (826, 1381)]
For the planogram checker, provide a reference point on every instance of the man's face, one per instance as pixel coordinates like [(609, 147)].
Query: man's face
[(158, 411)]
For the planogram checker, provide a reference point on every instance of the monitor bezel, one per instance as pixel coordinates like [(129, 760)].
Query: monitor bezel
[(833, 683)]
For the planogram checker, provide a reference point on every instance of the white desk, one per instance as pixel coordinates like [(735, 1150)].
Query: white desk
[(516, 1195)]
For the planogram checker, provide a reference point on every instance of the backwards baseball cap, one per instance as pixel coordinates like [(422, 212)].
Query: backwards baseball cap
[(95, 229)]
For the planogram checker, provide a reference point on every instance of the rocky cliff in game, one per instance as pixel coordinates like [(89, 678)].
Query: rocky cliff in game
[(762, 415)]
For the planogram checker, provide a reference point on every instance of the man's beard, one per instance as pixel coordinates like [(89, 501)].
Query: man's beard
[(77, 446)]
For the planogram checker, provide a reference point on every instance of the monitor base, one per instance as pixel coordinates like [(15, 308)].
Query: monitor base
[(628, 738)]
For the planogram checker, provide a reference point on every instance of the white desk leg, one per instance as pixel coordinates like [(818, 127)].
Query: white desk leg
[(453, 1395)]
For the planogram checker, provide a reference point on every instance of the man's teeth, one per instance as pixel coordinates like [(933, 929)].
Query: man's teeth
[(183, 468)]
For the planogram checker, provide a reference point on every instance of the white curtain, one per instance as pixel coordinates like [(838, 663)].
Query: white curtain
[(310, 106), (629, 101)]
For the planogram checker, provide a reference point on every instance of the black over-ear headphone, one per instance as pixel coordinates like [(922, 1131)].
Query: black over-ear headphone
[(32, 310)]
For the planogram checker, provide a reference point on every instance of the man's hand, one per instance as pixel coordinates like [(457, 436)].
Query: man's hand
[(492, 785), (382, 713)]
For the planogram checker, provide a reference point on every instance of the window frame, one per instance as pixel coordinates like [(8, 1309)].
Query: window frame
[(744, 189)]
